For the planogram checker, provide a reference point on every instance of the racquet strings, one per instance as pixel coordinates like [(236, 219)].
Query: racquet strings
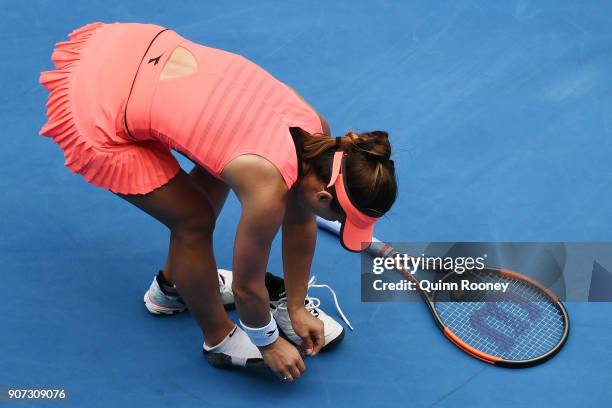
[(521, 324)]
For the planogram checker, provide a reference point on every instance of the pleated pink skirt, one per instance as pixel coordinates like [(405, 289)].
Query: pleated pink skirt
[(95, 71)]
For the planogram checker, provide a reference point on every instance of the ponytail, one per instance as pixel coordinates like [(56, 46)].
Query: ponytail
[(370, 170)]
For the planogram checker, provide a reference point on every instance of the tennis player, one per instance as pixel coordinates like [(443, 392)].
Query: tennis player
[(123, 96)]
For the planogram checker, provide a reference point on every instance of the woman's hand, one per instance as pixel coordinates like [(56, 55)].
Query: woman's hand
[(309, 328), (284, 359)]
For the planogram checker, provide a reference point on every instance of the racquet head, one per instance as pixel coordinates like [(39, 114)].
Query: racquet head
[(520, 327)]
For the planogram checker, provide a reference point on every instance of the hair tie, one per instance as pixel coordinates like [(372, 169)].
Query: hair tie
[(338, 142)]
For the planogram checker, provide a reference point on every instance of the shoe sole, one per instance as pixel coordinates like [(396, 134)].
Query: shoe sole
[(159, 310), (223, 361), (334, 343)]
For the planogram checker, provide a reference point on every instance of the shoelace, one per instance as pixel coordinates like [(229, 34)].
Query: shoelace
[(313, 303)]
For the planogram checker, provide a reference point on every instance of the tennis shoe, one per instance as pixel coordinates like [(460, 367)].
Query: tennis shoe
[(332, 330), (165, 300)]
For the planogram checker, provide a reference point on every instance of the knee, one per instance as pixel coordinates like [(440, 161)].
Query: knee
[(197, 229)]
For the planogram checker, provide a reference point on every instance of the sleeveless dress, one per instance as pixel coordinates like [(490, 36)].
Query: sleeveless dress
[(117, 122)]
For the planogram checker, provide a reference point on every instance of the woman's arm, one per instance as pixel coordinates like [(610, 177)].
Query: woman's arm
[(299, 239), (262, 194)]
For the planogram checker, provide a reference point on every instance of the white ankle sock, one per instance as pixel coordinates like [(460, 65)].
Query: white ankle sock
[(236, 345)]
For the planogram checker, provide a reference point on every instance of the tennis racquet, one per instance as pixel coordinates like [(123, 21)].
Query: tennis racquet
[(522, 327)]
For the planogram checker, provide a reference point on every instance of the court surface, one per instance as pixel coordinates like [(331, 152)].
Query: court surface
[(500, 116)]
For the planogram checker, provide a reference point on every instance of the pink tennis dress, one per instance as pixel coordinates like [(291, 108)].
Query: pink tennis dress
[(117, 122)]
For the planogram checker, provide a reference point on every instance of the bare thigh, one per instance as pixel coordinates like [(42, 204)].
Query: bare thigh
[(179, 204), (216, 190)]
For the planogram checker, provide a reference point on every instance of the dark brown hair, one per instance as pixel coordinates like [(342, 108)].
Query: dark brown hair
[(370, 172)]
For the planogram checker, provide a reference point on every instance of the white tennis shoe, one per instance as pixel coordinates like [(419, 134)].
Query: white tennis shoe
[(165, 300), (332, 330)]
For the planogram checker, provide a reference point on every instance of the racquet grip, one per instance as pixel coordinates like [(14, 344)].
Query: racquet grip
[(331, 226)]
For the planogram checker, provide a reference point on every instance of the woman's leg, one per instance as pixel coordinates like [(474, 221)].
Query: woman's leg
[(216, 192), (183, 207)]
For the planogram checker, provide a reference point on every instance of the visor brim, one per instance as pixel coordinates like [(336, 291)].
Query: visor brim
[(356, 238)]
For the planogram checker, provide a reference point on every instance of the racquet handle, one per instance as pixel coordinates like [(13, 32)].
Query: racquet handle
[(330, 226)]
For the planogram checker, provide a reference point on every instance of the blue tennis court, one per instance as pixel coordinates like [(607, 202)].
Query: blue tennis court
[(500, 117)]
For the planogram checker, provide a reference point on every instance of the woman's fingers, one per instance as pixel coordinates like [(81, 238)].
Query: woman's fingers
[(318, 340), (285, 376), (301, 366), (307, 345), (294, 372), (284, 360)]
